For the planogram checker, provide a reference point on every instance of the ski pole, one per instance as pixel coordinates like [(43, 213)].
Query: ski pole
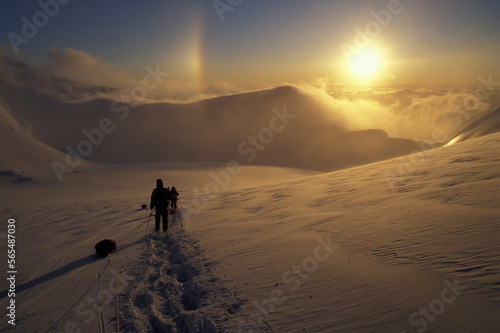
[(179, 213)]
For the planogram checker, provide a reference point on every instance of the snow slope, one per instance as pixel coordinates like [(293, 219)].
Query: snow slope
[(20, 153), (58, 224), (488, 124), (401, 242), (366, 249)]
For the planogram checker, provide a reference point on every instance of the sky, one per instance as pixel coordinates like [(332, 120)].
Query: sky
[(252, 44)]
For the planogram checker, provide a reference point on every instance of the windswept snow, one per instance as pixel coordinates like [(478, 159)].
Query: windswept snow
[(353, 250), (401, 242)]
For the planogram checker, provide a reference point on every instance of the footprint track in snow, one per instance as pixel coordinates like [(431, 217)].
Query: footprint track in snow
[(175, 290)]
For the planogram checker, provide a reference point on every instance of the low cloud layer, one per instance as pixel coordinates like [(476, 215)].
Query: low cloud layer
[(414, 114), (405, 113), (83, 67)]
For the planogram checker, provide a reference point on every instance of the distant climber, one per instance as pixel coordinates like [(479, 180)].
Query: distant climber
[(160, 199), (175, 196)]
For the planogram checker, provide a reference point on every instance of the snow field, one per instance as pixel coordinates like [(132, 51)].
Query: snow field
[(397, 248), (249, 258)]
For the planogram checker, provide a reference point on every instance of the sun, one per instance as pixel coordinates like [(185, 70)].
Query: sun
[(364, 64)]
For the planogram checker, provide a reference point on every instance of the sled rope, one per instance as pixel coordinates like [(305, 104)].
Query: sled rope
[(35, 299), (60, 256), (116, 300), (102, 326), (129, 233), (78, 301), (149, 218), (47, 292), (117, 308)]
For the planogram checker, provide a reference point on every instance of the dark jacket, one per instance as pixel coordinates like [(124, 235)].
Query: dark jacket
[(174, 192), (160, 198)]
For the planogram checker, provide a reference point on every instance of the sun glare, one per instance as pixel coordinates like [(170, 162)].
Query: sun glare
[(364, 64)]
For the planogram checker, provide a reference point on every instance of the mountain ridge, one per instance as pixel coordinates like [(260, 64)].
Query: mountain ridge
[(282, 126)]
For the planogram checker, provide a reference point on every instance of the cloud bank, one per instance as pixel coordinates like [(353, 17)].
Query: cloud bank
[(406, 113), (414, 114), (83, 67)]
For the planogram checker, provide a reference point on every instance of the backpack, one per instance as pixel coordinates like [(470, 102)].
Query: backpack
[(160, 197), (105, 247)]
